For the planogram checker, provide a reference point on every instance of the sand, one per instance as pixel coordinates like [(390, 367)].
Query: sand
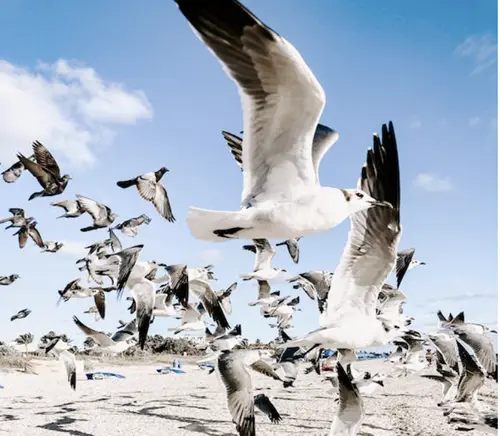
[(146, 403)]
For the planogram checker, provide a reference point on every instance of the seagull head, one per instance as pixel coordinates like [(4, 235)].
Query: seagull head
[(358, 200)]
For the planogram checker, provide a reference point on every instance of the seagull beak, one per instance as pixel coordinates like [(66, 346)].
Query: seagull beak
[(381, 204)]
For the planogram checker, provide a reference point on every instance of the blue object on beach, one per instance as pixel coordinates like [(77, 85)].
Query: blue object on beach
[(1, 387), (102, 375), (177, 363), (168, 369), (206, 366)]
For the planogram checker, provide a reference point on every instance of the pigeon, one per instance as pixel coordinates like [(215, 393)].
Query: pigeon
[(46, 171), (152, 190), (8, 280), (101, 214), (72, 208), (29, 230), (21, 314), (17, 219), (131, 227), (10, 175)]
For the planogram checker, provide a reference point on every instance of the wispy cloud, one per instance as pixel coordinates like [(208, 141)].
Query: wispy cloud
[(474, 121), (66, 105), (434, 302), (74, 248), (482, 49), (212, 255), (432, 183)]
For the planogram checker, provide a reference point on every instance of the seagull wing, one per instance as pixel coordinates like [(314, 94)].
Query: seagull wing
[(264, 404), (144, 296), (70, 365), (128, 259), (265, 254), (45, 159), (403, 262), (446, 345), (263, 367), (100, 303), (351, 405), (264, 289), (323, 139), (482, 346), (203, 291), (179, 282), (370, 253), (238, 383), (116, 245), (100, 337), (471, 378), (234, 142), (281, 99)]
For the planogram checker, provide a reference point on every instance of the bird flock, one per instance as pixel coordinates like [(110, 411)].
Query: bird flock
[(282, 199)]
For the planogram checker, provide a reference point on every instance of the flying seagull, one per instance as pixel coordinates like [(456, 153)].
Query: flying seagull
[(46, 171), (233, 367), (405, 262), (64, 356), (224, 297), (349, 320), (8, 280), (152, 190), (264, 254), (282, 102), (72, 208), (52, 246), (292, 246), (101, 214), (21, 314), (204, 292), (11, 174)]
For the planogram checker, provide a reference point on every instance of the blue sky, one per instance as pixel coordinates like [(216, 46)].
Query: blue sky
[(116, 89)]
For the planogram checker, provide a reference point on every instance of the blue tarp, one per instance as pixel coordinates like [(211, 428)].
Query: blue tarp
[(102, 375)]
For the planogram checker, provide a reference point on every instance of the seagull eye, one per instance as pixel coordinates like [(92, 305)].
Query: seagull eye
[(359, 195)]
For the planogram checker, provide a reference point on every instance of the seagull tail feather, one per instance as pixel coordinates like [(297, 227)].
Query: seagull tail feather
[(216, 225)]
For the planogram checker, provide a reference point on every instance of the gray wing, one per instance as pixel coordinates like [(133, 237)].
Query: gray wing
[(323, 139), (70, 365), (472, 377), (126, 332), (238, 383), (264, 404), (144, 297), (403, 262), (264, 368), (116, 245), (128, 259), (351, 405), (482, 346), (370, 253), (264, 289), (100, 337), (446, 345), (179, 282), (203, 291), (100, 303), (272, 77)]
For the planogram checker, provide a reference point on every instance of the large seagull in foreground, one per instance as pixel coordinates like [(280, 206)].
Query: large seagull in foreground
[(282, 102)]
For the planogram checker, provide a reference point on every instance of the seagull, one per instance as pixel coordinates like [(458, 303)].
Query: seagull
[(72, 208), (476, 337), (350, 413), (94, 310), (192, 319), (131, 227), (127, 260), (224, 297), (233, 367), (265, 297), (126, 331), (264, 254), (11, 174), (204, 292), (224, 341), (316, 284), (179, 282), (52, 246), (350, 319), (164, 305), (366, 383), (18, 218), (102, 339), (405, 262), (143, 293), (292, 246), (113, 242), (64, 356), (29, 230), (75, 289), (8, 280), (282, 102), (152, 190), (100, 213), (46, 171), (21, 314), (204, 273)]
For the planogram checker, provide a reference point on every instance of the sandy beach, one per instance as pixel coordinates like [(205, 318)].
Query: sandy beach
[(194, 403)]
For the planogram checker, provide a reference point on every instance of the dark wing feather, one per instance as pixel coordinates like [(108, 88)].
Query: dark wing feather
[(264, 404), (45, 159), (403, 262)]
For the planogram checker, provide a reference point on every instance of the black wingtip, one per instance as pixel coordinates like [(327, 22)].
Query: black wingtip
[(72, 381), (143, 327)]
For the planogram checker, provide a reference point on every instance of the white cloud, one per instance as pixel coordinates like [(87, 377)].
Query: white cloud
[(482, 49), (74, 249), (463, 297), (474, 121), (432, 183), (415, 124), (211, 255), (65, 105)]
